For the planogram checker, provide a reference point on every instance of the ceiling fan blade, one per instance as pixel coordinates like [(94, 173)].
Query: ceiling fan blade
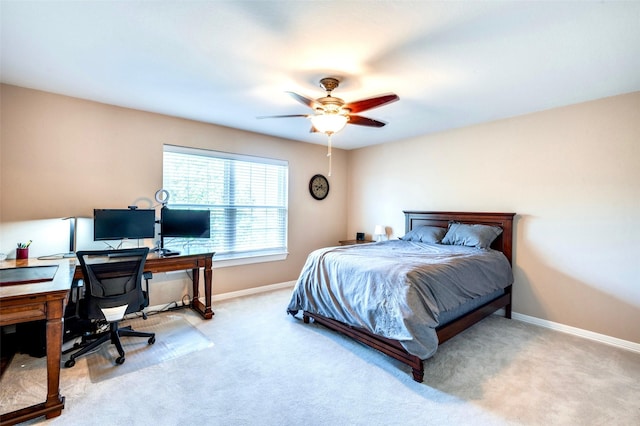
[(284, 116), (365, 104), (303, 100), (364, 121)]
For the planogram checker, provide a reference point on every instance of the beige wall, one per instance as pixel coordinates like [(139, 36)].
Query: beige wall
[(62, 156), (573, 177)]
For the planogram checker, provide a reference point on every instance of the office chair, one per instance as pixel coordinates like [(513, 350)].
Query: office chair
[(113, 288)]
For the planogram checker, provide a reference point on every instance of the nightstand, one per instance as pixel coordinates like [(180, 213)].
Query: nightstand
[(352, 242)]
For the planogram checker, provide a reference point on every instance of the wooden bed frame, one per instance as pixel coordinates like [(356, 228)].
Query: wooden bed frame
[(414, 219)]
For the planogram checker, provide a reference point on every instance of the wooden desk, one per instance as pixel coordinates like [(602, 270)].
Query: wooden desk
[(36, 301), (156, 264), (47, 299)]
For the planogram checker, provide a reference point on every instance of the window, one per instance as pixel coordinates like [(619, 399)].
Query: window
[(247, 197)]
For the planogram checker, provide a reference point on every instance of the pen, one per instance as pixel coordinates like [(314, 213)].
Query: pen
[(23, 245)]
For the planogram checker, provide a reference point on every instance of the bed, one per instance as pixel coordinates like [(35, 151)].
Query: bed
[(404, 298)]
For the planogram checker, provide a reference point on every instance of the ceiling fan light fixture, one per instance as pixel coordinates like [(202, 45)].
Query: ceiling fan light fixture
[(331, 114), (329, 123)]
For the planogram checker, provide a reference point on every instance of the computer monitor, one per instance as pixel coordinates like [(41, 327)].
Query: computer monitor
[(120, 224), (185, 223)]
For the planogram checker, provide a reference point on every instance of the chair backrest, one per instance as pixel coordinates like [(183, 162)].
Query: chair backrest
[(113, 282)]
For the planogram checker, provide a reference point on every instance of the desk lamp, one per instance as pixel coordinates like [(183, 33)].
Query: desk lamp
[(72, 237), (379, 232)]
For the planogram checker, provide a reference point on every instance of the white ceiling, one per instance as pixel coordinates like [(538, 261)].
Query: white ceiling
[(226, 62)]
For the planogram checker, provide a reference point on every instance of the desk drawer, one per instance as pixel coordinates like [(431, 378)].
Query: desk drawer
[(22, 313)]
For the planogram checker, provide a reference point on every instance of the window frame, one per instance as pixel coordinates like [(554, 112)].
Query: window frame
[(248, 257)]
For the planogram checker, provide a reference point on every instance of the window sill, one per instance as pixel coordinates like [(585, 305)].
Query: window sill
[(224, 263)]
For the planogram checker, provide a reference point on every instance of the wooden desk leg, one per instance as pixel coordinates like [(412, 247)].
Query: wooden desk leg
[(203, 308), (195, 302), (55, 319), (208, 278), (54, 404)]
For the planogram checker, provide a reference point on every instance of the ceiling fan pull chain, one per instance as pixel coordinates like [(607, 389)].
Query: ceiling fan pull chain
[(329, 153)]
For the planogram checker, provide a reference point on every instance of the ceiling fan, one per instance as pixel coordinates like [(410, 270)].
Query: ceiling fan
[(331, 114)]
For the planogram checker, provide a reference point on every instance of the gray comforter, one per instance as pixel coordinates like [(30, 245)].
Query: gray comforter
[(397, 289)]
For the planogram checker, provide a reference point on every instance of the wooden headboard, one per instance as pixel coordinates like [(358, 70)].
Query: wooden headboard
[(503, 243)]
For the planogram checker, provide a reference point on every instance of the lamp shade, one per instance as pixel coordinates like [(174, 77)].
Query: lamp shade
[(329, 123), (379, 230)]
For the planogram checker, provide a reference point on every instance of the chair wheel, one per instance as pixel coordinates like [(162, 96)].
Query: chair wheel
[(70, 363), (152, 340), (120, 360)]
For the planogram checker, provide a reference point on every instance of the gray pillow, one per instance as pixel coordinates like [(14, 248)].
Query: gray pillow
[(425, 234), (480, 236)]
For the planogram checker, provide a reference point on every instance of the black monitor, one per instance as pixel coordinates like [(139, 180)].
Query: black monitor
[(185, 223), (120, 224)]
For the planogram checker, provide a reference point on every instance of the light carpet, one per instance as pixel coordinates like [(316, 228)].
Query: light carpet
[(267, 368), (24, 382)]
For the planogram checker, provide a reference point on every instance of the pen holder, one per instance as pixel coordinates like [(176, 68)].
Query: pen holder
[(22, 253)]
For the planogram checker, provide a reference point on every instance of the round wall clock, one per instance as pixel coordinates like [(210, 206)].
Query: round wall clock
[(319, 187)]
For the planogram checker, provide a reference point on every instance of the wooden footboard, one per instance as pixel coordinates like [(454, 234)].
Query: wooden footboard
[(390, 347), (394, 349)]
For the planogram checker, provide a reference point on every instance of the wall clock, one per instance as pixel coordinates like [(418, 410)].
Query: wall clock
[(319, 187)]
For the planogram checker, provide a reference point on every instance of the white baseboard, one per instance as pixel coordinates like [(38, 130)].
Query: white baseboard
[(602, 338), (251, 291), (233, 294)]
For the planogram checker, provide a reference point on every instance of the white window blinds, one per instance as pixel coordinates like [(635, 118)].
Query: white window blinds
[(247, 197)]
